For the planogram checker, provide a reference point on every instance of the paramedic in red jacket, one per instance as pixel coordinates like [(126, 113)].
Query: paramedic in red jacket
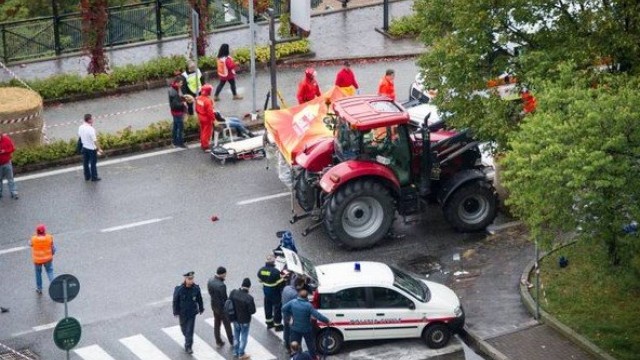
[(206, 116), (308, 88), (346, 80)]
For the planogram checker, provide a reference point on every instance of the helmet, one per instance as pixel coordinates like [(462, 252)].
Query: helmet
[(41, 229), (310, 73), (206, 90)]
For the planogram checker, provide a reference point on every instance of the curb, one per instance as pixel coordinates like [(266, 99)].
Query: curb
[(549, 319), (483, 346)]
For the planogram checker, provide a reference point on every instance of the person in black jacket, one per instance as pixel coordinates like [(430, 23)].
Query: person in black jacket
[(244, 307), (218, 292), (272, 284), (177, 104), (187, 303)]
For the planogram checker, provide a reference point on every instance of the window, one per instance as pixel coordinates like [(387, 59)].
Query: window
[(354, 298), (387, 298)]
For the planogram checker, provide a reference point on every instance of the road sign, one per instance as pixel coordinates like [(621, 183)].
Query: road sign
[(57, 288), (67, 333), (301, 14)]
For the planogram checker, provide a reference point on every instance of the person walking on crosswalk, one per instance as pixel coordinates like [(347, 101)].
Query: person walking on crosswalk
[(218, 292), (244, 307), (272, 284), (187, 303), (300, 311)]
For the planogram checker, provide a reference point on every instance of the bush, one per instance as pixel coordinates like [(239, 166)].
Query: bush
[(405, 26), (59, 86)]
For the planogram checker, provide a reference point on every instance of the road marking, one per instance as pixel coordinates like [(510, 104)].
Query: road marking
[(201, 350), (93, 352), (135, 224), (259, 316), (168, 299), (143, 348), (8, 251), (102, 163), (45, 326), (254, 348), (263, 198)]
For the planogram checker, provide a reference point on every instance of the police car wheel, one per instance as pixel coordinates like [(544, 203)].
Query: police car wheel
[(329, 341), (436, 336)]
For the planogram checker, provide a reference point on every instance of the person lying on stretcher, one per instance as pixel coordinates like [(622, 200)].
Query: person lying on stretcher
[(232, 123)]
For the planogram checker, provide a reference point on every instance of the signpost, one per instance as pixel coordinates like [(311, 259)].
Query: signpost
[(195, 26), (67, 332)]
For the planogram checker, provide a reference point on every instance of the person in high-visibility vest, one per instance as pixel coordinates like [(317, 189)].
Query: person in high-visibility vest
[(206, 116), (193, 81), (42, 251), (226, 72)]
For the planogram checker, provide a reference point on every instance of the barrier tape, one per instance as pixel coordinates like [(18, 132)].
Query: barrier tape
[(17, 120), (15, 76), (15, 352)]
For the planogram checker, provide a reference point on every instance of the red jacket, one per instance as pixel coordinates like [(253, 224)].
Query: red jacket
[(307, 90), (6, 149), (386, 88), (204, 108), (346, 78)]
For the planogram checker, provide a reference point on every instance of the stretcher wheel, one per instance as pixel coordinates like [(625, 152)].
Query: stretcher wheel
[(304, 233)]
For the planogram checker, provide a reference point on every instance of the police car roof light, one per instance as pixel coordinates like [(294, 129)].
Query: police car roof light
[(356, 266)]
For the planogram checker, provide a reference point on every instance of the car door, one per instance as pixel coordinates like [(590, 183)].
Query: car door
[(395, 314), (349, 311)]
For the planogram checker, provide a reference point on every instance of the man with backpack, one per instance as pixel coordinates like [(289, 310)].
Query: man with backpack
[(239, 308), (218, 292)]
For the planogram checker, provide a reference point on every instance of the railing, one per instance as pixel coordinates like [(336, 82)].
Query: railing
[(150, 20)]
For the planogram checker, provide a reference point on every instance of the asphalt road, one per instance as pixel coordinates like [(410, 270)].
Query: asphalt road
[(130, 237), (138, 110)]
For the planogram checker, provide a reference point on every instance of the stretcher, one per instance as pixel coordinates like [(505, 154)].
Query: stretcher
[(251, 148)]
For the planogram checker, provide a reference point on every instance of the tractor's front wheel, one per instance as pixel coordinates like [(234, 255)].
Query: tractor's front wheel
[(472, 207), (359, 214)]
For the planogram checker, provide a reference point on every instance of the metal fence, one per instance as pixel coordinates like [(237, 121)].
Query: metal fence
[(59, 34)]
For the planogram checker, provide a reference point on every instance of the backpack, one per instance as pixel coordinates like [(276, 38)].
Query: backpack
[(222, 67), (229, 309)]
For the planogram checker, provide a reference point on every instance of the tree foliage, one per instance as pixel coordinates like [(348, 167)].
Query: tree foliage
[(573, 164)]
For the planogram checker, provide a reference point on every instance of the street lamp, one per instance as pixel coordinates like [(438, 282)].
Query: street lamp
[(272, 55)]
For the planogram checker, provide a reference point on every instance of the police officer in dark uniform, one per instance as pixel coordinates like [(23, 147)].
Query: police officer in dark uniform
[(187, 303), (272, 284)]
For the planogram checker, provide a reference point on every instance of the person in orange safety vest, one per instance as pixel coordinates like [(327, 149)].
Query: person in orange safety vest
[(386, 86), (206, 116), (42, 251)]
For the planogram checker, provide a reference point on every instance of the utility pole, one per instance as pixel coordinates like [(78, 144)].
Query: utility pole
[(252, 31), (385, 15), (272, 55)]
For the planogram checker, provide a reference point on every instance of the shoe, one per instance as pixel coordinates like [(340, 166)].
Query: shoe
[(279, 327), (244, 357), (4, 310), (206, 150), (96, 179), (216, 98), (39, 291), (188, 350), (237, 97), (15, 196), (183, 146), (220, 344), (270, 326)]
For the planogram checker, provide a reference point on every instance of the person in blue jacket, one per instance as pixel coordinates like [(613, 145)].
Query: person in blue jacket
[(300, 311), (187, 303)]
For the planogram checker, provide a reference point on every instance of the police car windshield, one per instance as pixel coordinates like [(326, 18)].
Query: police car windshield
[(408, 283)]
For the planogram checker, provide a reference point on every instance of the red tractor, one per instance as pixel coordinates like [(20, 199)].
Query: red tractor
[(377, 163)]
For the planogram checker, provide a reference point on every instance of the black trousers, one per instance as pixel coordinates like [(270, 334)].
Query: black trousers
[(220, 318), (187, 326), (232, 83)]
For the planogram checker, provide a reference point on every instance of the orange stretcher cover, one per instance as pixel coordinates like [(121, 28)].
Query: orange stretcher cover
[(296, 126)]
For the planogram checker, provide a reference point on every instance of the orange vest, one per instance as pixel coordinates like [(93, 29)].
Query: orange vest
[(387, 88), (42, 248)]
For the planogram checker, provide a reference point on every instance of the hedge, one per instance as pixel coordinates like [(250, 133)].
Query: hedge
[(126, 138), (405, 26), (64, 85)]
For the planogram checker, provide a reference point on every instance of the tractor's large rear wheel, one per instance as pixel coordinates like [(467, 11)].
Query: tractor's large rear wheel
[(359, 214), (472, 207)]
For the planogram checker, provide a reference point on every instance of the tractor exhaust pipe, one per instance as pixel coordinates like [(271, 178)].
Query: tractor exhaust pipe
[(425, 162)]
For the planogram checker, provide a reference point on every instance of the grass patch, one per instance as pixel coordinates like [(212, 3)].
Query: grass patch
[(595, 299)]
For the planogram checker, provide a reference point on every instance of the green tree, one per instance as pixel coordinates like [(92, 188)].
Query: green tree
[(575, 163)]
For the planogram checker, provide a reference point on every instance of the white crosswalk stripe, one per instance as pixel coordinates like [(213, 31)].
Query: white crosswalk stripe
[(259, 316), (254, 348), (93, 352), (143, 348), (201, 350)]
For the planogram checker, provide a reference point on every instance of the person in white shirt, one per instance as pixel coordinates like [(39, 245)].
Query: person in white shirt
[(90, 149)]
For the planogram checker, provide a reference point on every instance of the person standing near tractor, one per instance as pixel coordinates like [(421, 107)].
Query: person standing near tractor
[(42, 251), (218, 292), (308, 88), (6, 168), (187, 303), (272, 283), (386, 86), (193, 81), (346, 80), (300, 311), (226, 72), (206, 116)]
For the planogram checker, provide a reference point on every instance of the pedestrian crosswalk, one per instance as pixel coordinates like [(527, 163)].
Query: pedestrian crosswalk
[(139, 346)]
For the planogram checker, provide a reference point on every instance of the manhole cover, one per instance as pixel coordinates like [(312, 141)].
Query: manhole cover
[(21, 355)]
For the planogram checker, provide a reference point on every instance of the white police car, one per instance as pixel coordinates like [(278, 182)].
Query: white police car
[(371, 300)]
